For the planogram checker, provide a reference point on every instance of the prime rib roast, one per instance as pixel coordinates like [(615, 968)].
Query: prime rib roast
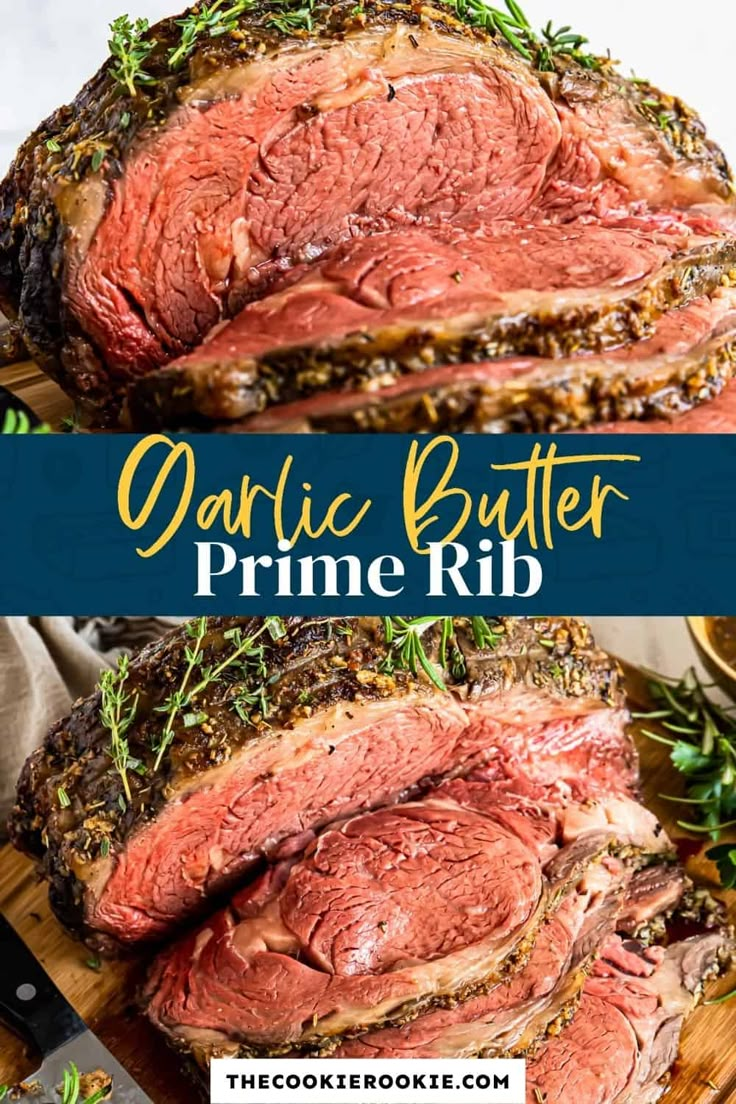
[(387, 212), (623, 1041), (346, 851)]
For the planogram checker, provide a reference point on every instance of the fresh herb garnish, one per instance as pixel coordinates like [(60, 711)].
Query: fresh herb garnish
[(72, 1086), (53, 146), (105, 847), (212, 19), (131, 50), (298, 19), (484, 634), (243, 650), (18, 422), (101, 1094), (720, 1000), (253, 697), (512, 24), (117, 714), (63, 797), (71, 423), (196, 631), (407, 646), (407, 649), (701, 736), (724, 856), (94, 963), (4, 1090)]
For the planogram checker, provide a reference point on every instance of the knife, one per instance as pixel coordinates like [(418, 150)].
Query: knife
[(32, 1006)]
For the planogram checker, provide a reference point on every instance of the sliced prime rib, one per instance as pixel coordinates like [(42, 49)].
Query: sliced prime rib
[(392, 913), (624, 1037), (687, 360), (340, 733), (133, 225), (434, 305), (510, 1017), (718, 416)]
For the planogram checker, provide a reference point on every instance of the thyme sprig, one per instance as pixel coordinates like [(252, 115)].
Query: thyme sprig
[(701, 736), (131, 49), (294, 19), (407, 651), (183, 700), (512, 24), (212, 19), (117, 714), (179, 700)]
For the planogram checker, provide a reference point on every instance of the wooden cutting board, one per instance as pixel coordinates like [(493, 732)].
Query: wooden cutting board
[(29, 383), (705, 1072)]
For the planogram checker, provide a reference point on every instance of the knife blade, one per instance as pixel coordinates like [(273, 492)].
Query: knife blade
[(33, 1007)]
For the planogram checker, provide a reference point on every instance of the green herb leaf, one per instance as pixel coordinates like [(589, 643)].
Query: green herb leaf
[(18, 422), (63, 796), (206, 19), (720, 1000), (53, 146), (191, 720), (130, 49), (514, 26), (724, 856), (244, 662), (70, 1086), (98, 159), (101, 1094), (703, 750), (689, 759), (118, 710)]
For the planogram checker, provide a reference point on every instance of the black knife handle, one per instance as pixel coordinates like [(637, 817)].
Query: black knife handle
[(30, 1003)]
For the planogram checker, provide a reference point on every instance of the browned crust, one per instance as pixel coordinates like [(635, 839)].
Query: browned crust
[(319, 663), (105, 120), (191, 396), (561, 403)]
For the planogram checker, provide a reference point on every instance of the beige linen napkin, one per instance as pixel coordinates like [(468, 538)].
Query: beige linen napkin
[(46, 663)]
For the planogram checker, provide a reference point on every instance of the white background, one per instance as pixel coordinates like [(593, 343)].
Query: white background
[(48, 48)]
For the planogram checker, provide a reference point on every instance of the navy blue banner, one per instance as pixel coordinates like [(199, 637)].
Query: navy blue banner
[(335, 525)]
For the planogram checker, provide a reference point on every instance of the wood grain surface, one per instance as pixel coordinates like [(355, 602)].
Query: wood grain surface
[(28, 382), (705, 1072)]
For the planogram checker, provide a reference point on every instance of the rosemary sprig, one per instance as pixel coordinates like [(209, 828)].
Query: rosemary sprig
[(130, 49), (513, 25), (117, 714), (407, 649), (212, 19), (484, 634), (71, 1088), (701, 736)]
